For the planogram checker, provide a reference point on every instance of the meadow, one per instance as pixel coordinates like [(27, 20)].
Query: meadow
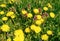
[(29, 20)]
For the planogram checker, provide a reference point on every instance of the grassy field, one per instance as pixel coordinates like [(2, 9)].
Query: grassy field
[(29, 20)]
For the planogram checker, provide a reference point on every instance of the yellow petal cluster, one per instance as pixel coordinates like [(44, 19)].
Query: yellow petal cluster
[(35, 28), (19, 35), (29, 15), (36, 11), (13, 16), (5, 28), (10, 13), (24, 11), (4, 18), (49, 5), (1, 12), (49, 32), (3, 5), (45, 8), (39, 22), (38, 16), (52, 15), (27, 30), (44, 37)]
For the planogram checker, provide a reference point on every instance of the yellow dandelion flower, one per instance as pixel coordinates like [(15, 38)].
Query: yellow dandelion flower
[(27, 30), (38, 22), (10, 13), (33, 27), (37, 29), (1, 12), (36, 11), (38, 16), (49, 5), (52, 15), (24, 11), (3, 5), (19, 35), (18, 32), (44, 37), (13, 16), (45, 8), (5, 28), (9, 39), (49, 32), (29, 15), (4, 18), (42, 20), (18, 39)]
